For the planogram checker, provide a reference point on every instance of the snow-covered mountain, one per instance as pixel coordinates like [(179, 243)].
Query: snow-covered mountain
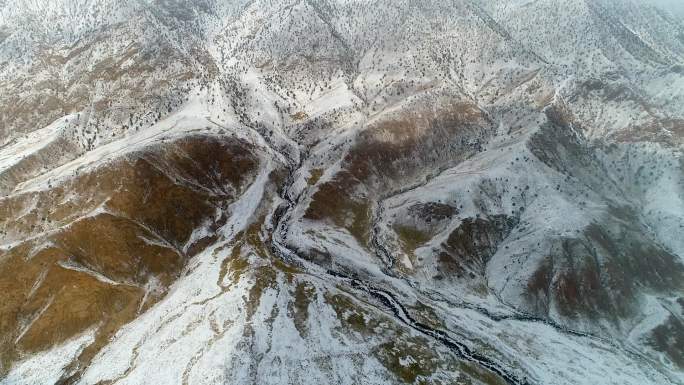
[(341, 191)]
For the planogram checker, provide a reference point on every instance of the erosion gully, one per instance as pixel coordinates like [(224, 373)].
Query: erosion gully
[(280, 221), (279, 247)]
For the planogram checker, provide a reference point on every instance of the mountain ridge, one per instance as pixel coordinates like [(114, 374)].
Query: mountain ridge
[(306, 191)]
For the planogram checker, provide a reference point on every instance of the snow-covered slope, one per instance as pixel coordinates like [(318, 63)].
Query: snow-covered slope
[(341, 191)]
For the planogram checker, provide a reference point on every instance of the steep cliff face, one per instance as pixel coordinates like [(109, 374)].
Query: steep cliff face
[(275, 191)]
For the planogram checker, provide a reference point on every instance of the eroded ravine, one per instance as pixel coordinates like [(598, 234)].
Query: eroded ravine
[(291, 200), (508, 313), (279, 248)]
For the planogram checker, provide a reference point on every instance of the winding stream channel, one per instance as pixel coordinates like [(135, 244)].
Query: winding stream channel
[(279, 247)]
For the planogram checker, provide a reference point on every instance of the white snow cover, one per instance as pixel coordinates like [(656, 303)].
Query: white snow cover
[(47, 367), (312, 78)]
